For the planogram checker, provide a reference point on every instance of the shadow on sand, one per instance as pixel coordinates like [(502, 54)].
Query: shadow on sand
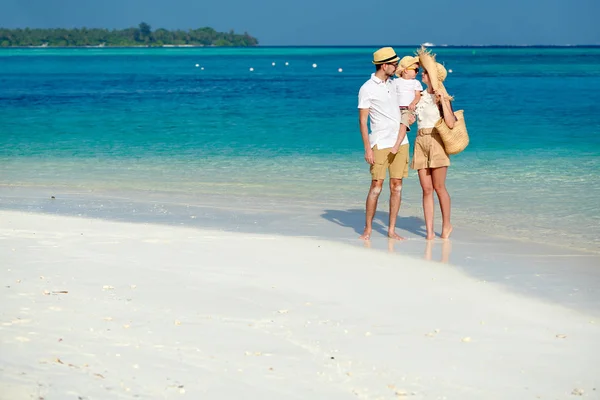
[(355, 219)]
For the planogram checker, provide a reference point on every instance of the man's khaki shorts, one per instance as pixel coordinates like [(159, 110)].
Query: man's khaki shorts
[(396, 163)]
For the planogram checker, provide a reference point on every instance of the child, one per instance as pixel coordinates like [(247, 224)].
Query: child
[(408, 90)]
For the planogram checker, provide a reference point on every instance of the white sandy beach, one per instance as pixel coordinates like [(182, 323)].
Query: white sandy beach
[(105, 310)]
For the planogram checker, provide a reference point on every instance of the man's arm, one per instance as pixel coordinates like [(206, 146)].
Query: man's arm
[(401, 135), (363, 117)]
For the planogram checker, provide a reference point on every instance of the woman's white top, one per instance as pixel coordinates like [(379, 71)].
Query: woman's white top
[(427, 110)]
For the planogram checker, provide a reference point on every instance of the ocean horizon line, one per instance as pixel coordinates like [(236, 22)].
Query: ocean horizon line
[(478, 46)]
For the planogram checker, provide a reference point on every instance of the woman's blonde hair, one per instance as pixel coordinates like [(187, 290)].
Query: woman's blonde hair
[(436, 71)]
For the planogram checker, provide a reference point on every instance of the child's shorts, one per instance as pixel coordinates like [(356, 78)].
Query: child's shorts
[(405, 117)]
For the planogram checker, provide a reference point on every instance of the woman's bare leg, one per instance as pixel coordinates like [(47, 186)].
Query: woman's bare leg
[(438, 176), (425, 178)]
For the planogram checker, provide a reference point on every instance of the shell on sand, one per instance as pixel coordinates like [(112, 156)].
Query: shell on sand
[(561, 336)]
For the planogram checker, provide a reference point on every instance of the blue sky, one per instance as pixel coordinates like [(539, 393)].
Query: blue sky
[(332, 22)]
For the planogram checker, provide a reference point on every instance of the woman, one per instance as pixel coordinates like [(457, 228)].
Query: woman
[(429, 156)]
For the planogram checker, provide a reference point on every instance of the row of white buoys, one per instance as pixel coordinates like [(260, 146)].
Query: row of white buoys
[(251, 69), (314, 66)]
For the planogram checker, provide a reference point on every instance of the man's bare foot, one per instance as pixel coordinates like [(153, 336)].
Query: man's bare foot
[(446, 232), (430, 236), (394, 235), (395, 149), (366, 235)]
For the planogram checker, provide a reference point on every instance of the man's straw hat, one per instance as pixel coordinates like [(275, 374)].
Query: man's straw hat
[(385, 55), (436, 71)]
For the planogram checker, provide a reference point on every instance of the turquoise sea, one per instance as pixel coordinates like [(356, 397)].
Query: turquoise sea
[(193, 135)]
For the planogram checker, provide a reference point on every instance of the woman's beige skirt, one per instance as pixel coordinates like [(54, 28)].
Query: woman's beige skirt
[(428, 151)]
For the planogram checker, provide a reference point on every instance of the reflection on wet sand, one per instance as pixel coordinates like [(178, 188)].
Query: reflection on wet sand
[(429, 248), (446, 250)]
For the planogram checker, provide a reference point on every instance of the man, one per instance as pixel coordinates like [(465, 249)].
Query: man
[(377, 100)]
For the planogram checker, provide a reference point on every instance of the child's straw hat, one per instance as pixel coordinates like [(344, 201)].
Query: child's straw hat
[(406, 62)]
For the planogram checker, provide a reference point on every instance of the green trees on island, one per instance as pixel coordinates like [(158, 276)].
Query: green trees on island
[(140, 36)]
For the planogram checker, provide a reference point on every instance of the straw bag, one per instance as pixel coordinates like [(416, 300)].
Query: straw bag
[(455, 139)]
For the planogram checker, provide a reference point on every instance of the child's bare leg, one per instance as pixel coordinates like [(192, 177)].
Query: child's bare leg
[(398, 142)]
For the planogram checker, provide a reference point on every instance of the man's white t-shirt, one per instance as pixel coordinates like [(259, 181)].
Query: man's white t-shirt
[(405, 90), (380, 99)]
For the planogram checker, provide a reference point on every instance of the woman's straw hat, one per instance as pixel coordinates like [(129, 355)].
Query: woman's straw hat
[(385, 55), (436, 71)]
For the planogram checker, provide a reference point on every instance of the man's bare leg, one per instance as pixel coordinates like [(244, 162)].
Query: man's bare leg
[(395, 200), (371, 207)]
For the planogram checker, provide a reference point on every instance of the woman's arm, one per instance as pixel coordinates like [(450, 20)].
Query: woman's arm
[(447, 112)]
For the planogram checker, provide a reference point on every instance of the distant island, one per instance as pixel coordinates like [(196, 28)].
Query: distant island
[(142, 36)]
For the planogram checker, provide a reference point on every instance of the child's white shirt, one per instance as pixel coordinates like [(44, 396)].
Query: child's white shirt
[(405, 90)]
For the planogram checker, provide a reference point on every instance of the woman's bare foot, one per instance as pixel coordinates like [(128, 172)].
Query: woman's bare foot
[(430, 236), (366, 235), (446, 232), (394, 235)]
